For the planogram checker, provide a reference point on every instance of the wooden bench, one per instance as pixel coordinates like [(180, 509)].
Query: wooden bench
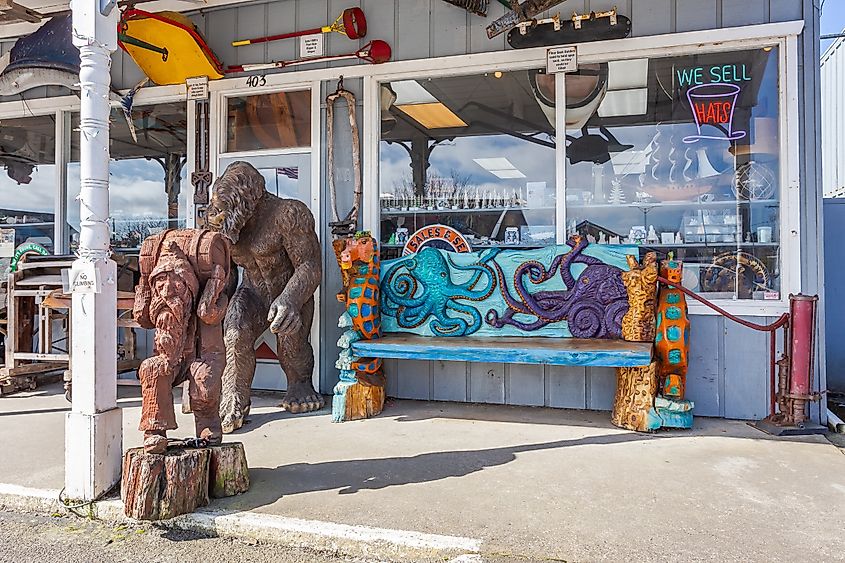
[(513, 350), (574, 305)]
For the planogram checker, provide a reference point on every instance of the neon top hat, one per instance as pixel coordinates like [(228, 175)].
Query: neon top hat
[(714, 105)]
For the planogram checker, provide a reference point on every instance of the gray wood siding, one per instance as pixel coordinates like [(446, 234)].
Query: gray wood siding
[(432, 28)]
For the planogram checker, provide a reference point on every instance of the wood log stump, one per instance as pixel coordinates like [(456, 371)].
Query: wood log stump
[(228, 471), (633, 407), (163, 486), (356, 401)]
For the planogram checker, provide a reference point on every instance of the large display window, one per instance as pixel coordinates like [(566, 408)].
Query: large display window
[(680, 149), (475, 152), (682, 156), (28, 178), (148, 188)]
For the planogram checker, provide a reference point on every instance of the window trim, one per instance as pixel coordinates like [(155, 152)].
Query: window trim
[(782, 35)]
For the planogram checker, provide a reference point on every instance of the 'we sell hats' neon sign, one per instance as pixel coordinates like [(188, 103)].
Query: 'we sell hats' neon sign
[(714, 103)]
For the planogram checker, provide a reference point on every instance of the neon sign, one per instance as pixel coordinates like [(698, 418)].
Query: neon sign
[(731, 74), (714, 105)]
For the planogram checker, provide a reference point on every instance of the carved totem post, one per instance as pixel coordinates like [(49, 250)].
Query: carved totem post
[(652, 397), (636, 387), (360, 391), (181, 295), (672, 349)]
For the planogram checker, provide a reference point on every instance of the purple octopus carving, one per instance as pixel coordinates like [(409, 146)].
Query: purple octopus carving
[(594, 304)]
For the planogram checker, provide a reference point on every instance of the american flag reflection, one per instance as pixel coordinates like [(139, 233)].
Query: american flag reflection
[(291, 172)]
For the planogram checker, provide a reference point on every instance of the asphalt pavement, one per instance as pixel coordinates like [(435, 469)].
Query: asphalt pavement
[(26, 538)]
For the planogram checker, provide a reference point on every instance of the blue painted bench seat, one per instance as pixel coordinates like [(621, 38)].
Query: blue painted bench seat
[(519, 350)]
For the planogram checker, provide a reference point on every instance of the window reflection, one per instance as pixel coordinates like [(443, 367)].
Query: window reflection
[(148, 189), (28, 179), (682, 156), (472, 152), (268, 121)]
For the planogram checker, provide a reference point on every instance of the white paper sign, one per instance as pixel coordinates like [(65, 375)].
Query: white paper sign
[(562, 59), (311, 46), (7, 243), (197, 88), (84, 279)]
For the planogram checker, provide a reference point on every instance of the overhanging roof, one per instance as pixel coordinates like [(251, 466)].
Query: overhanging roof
[(50, 8)]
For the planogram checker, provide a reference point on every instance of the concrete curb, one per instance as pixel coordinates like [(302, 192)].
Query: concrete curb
[(327, 537)]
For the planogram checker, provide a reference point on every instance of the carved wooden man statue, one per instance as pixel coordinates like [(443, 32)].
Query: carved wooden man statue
[(181, 295)]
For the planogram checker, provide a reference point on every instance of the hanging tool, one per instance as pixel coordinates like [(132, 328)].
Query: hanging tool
[(477, 7), (201, 177), (520, 13), (375, 52), (343, 227), (350, 23), (123, 38)]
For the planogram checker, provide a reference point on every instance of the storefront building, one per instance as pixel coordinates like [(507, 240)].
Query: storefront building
[(696, 135)]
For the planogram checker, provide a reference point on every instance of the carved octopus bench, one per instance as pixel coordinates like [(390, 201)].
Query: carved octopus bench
[(572, 305)]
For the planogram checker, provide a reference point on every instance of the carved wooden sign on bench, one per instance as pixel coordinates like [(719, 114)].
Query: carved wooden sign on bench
[(163, 486)]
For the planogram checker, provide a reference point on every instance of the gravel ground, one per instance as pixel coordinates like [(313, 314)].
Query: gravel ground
[(28, 538)]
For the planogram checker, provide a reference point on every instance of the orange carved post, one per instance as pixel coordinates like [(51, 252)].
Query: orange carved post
[(671, 346), (360, 391)]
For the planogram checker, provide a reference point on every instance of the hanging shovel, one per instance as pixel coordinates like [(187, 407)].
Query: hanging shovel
[(350, 23), (375, 52)]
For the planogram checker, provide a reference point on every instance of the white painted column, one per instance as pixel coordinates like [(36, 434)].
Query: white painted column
[(93, 428)]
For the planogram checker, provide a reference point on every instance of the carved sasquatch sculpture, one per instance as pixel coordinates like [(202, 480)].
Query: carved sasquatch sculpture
[(182, 297), (274, 241)]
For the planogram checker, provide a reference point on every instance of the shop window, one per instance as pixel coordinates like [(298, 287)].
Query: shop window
[(148, 189), (681, 156), (280, 120), (476, 153), (28, 179)]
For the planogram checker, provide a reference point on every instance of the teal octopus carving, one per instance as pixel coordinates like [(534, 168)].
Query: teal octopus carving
[(426, 290)]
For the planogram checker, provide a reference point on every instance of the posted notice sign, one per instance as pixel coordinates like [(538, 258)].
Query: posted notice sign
[(562, 59), (311, 46), (197, 88), (84, 278)]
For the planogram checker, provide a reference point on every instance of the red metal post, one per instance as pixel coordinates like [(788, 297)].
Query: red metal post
[(803, 343)]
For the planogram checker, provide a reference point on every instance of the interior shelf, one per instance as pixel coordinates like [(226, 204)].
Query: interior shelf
[(688, 204), (399, 212)]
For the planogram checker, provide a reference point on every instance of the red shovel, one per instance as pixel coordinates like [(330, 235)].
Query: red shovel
[(375, 52), (350, 23)]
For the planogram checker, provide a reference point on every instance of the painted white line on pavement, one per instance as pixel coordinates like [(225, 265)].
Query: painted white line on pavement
[(314, 534), (228, 522)]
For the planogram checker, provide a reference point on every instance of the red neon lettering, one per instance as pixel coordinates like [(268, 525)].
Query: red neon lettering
[(713, 113)]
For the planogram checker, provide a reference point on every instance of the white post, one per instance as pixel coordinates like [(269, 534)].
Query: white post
[(93, 428)]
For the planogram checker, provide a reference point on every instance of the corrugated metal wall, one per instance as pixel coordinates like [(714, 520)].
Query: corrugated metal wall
[(728, 375), (834, 255), (833, 124)]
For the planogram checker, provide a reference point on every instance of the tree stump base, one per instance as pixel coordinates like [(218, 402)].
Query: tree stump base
[(356, 401), (228, 473), (633, 407), (163, 486)]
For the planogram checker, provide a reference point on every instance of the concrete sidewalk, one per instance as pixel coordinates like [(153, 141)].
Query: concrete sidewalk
[(518, 482)]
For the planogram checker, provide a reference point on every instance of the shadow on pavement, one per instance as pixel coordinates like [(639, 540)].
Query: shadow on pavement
[(352, 476)]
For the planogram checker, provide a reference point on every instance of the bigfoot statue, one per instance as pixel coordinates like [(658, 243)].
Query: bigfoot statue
[(181, 295), (275, 243)]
